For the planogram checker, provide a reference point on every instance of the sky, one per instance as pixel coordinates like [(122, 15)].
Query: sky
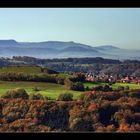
[(119, 27)]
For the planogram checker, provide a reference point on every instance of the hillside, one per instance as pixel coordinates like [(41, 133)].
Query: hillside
[(26, 69), (97, 64)]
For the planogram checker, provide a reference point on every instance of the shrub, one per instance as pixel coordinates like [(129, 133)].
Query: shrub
[(127, 88), (80, 124), (87, 96), (107, 88), (68, 84), (98, 88), (87, 88), (78, 86), (37, 96), (78, 77), (60, 81), (16, 93), (65, 97), (120, 88), (49, 71), (36, 89)]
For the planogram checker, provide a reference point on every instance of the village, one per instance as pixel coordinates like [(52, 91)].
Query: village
[(101, 77)]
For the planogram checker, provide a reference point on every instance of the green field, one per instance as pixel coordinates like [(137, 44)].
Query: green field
[(21, 69), (28, 70), (47, 89), (53, 90), (114, 86)]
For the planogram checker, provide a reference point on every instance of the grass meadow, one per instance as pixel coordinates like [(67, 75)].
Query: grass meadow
[(114, 86), (46, 89)]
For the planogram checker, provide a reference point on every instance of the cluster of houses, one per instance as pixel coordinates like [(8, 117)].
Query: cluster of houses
[(130, 79), (99, 77), (109, 78)]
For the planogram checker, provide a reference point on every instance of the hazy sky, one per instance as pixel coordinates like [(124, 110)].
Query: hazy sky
[(92, 26)]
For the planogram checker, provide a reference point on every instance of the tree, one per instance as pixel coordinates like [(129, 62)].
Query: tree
[(16, 93), (68, 84), (78, 86), (127, 88), (107, 88), (79, 124), (65, 97), (120, 88), (36, 96), (36, 89), (80, 119)]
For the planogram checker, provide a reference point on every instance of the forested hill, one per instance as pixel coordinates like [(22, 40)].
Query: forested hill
[(70, 60), (96, 65)]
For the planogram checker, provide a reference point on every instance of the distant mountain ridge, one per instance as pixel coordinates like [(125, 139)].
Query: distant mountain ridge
[(106, 47), (60, 49), (10, 42)]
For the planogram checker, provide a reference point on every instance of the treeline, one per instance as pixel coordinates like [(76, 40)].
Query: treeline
[(122, 69), (94, 111), (73, 81), (70, 60), (10, 76), (98, 65)]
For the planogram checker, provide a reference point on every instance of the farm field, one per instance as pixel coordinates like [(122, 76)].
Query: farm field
[(21, 69), (46, 89), (53, 90), (114, 86)]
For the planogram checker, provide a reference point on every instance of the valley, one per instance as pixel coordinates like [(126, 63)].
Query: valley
[(49, 88), (69, 95), (69, 70)]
